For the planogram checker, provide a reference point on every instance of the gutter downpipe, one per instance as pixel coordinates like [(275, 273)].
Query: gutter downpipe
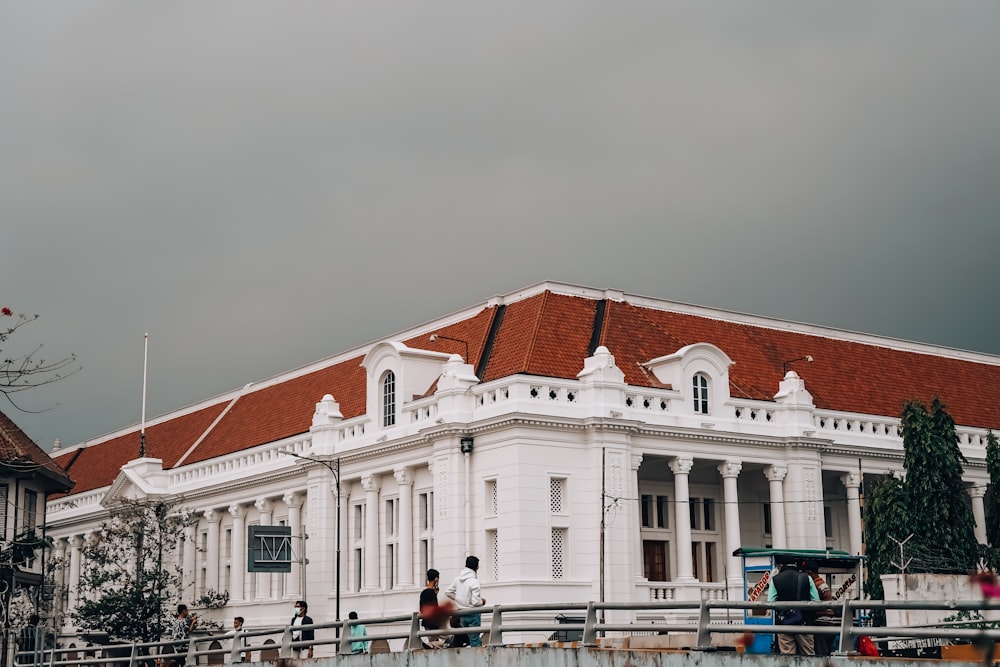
[(468, 503)]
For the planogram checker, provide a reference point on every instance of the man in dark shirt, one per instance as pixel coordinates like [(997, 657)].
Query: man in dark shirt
[(791, 585), (429, 610)]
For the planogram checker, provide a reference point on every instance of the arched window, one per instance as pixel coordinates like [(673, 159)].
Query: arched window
[(388, 399), (700, 386)]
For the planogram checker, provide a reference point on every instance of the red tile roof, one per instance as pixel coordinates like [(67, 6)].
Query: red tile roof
[(548, 334), (17, 448)]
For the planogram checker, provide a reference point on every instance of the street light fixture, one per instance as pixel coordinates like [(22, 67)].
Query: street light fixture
[(435, 336), (786, 364), (335, 471)]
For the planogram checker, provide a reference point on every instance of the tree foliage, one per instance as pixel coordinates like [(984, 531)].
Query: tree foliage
[(885, 518), (19, 372), (132, 569), (942, 524), (993, 496)]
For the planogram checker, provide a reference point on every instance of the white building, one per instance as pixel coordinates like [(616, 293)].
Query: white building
[(664, 434)]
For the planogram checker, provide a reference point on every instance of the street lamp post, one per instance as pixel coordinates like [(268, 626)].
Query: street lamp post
[(335, 471)]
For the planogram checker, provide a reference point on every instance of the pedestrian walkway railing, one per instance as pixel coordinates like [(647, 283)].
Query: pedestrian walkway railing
[(707, 618)]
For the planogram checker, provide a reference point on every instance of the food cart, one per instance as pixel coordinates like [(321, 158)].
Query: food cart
[(841, 570)]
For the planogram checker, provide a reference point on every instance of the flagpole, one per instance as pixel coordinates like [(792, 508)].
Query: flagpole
[(142, 423)]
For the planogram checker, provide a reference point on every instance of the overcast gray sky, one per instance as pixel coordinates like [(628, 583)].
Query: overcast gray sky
[(261, 185)]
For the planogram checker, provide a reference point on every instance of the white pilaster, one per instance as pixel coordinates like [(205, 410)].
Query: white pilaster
[(852, 482), (75, 544), (212, 518), (238, 559), (681, 467), (775, 476), (977, 493), (404, 478), (188, 557), (637, 567), (370, 484), (294, 502), (266, 509), (730, 471)]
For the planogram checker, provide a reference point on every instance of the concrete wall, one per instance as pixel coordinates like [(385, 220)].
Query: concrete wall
[(565, 657)]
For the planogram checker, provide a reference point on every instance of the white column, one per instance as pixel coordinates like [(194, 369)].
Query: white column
[(266, 510), (979, 511), (730, 471), (637, 567), (371, 486), (188, 555), (345, 491), (75, 543), (405, 480), (237, 562), (681, 467), (775, 475), (294, 503), (212, 518), (852, 482), (59, 574)]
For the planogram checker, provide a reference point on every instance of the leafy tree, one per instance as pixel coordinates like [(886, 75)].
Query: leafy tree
[(993, 495), (941, 519), (885, 518), (26, 371), (132, 568)]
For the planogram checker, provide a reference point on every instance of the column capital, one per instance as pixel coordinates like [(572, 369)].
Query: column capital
[(237, 510), (731, 468), (369, 482), (977, 491), (293, 499), (75, 541), (851, 480), (403, 475), (636, 461), (211, 515), (775, 473), (681, 465), (263, 505)]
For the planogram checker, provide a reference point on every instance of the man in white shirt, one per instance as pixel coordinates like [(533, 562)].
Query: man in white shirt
[(466, 593)]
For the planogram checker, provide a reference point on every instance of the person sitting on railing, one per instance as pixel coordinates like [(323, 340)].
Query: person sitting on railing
[(465, 591)]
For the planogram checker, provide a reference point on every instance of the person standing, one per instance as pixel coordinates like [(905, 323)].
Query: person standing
[(358, 630), (239, 638), (825, 617), (183, 625), (299, 619), (430, 611), (791, 585), (466, 593)]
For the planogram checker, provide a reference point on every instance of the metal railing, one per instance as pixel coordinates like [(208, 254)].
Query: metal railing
[(708, 622)]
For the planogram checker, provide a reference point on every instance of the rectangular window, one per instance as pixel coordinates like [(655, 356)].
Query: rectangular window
[(492, 504), (709, 506), (710, 561), (30, 509), (390, 566), (646, 511), (827, 522), (359, 557), (558, 553), (426, 511), (557, 494), (654, 560), (359, 521), (662, 512), (767, 518), (228, 542), (493, 549), (391, 517), (694, 507), (202, 578)]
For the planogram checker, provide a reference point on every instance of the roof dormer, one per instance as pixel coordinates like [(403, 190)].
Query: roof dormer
[(396, 375), (700, 372)]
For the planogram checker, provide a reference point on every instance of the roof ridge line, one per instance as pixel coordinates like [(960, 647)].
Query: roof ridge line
[(212, 426)]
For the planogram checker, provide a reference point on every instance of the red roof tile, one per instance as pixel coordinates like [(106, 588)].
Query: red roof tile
[(548, 334)]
